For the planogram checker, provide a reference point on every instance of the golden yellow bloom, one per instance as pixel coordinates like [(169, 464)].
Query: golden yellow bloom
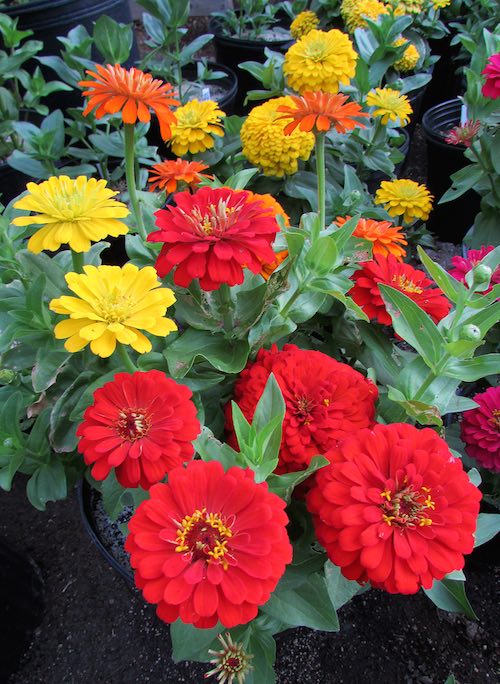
[(320, 61), (72, 211), (265, 143), (390, 105), (406, 6), (439, 4), (113, 304), (410, 57), (197, 122), (303, 23), (355, 14), (405, 198)]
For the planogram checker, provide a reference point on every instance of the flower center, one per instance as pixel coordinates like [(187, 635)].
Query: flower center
[(68, 204), (204, 536), (406, 284), (304, 408), (133, 424), (316, 51), (408, 507), (115, 307), (495, 419), (214, 220)]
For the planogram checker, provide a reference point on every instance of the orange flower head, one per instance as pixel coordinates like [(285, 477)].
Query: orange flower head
[(268, 269), (131, 91), (321, 111), (167, 174), (270, 203), (385, 237)]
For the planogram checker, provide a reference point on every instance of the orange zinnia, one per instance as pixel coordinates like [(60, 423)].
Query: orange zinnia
[(385, 238), (270, 203), (168, 173), (268, 269), (133, 92), (321, 111)]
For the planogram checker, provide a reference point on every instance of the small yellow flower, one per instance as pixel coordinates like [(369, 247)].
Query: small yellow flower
[(265, 143), (320, 61), (355, 14), (410, 57), (303, 24), (113, 304), (439, 4), (406, 6), (197, 122), (73, 211), (390, 105), (405, 198)]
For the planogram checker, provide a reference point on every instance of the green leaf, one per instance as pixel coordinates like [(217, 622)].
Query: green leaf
[(488, 525), (463, 180), (322, 257), (62, 432), (211, 449), (283, 485), (271, 405), (470, 370), (49, 362), (9, 465), (48, 483), (450, 595), (228, 357), (452, 288), (340, 589), (86, 396), (423, 413), (190, 643)]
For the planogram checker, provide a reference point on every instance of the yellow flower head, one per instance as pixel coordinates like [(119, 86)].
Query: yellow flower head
[(410, 57), (320, 61), (405, 198), (197, 122), (303, 24), (401, 7), (72, 211), (439, 4), (265, 143), (113, 304), (390, 105), (355, 13)]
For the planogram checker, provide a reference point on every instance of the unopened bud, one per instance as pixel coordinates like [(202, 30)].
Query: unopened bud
[(7, 376), (481, 274), (470, 332), (8, 443)]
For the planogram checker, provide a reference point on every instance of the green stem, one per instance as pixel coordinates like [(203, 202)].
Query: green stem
[(130, 175), (300, 290), (125, 358), (179, 67), (320, 171), (431, 377), (226, 307), (77, 258), (486, 172)]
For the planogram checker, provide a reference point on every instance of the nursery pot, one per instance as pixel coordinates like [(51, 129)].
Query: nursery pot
[(445, 83), (12, 182), (452, 220)]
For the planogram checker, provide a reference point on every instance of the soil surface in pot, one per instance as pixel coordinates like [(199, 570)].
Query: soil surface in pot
[(96, 630)]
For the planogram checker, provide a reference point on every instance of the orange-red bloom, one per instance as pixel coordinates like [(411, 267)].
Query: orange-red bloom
[(384, 236), (268, 269), (321, 111), (131, 91), (168, 173), (270, 203)]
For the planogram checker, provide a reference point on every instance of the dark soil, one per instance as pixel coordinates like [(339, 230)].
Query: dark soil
[(96, 630)]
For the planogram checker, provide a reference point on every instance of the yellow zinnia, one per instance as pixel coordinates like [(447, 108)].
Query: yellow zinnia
[(197, 122), (410, 57), (320, 61), (354, 14), (401, 7), (390, 105), (113, 304), (439, 4), (265, 143), (73, 211), (405, 198), (303, 24)]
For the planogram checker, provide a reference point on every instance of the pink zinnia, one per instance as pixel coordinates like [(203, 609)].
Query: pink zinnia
[(462, 265), (464, 134), (481, 429), (492, 72)]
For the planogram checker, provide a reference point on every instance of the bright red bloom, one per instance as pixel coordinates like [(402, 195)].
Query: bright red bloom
[(463, 135), (322, 111), (168, 173), (492, 72), (142, 425), (213, 235), (209, 546), (462, 265), (325, 401), (413, 283), (481, 429), (395, 508)]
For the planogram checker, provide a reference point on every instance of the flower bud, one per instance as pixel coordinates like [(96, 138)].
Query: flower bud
[(8, 443), (470, 332), (7, 376), (481, 274)]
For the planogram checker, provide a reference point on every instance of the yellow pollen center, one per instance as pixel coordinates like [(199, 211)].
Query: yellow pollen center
[(406, 285), (407, 507), (495, 418), (214, 221), (204, 536), (115, 307), (133, 424)]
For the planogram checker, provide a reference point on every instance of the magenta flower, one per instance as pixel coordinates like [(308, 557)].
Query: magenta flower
[(462, 265), (492, 72), (481, 429), (463, 135)]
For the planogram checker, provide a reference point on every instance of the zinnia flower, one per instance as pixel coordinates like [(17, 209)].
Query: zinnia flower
[(481, 429), (384, 236), (267, 270), (390, 105), (321, 111), (213, 235), (270, 203), (131, 91), (401, 7), (197, 123), (355, 14), (303, 24), (394, 508), (403, 277), (142, 425), (464, 134), (439, 4), (113, 304), (167, 174), (325, 401), (209, 546), (321, 60), (406, 198), (410, 57), (462, 265), (72, 211), (492, 72), (265, 143)]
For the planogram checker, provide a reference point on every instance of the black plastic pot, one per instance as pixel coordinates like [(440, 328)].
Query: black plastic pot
[(376, 177), (231, 51), (445, 83), (12, 183), (416, 98), (452, 220)]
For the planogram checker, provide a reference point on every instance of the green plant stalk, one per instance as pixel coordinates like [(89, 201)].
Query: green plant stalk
[(179, 67), (226, 307), (125, 358), (77, 258), (300, 290), (130, 176), (320, 172), (487, 173)]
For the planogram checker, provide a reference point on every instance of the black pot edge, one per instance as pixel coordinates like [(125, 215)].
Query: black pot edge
[(219, 35), (230, 74)]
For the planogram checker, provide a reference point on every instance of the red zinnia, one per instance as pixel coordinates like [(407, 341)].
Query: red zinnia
[(142, 425), (492, 72), (463, 134), (325, 401), (403, 277), (213, 235), (395, 508), (209, 546), (462, 265), (481, 429), (168, 173)]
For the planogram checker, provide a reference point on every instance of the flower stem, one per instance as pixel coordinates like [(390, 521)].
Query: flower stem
[(226, 306), (77, 258), (125, 358), (130, 175), (320, 171)]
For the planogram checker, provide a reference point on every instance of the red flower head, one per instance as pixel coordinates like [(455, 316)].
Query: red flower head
[(394, 508), (413, 283), (209, 546), (481, 429), (213, 235), (168, 173), (325, 401), (462, 265), (142, 425), (463, 135), (321, 111), (492, 72)]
